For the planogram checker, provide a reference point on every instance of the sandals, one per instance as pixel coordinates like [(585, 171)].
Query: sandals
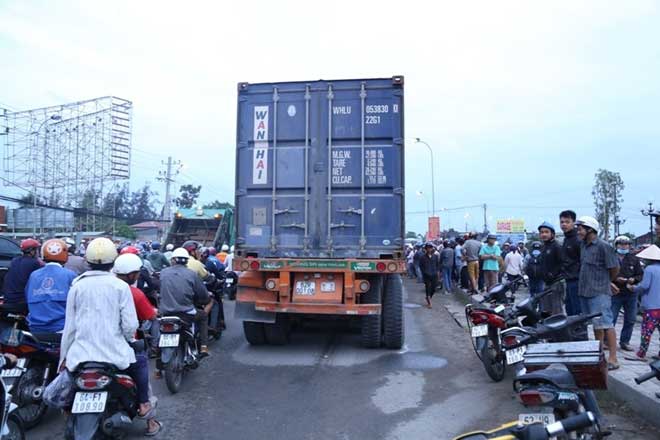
[(149, 414), (635, 358), (148, 433), (612, 366)]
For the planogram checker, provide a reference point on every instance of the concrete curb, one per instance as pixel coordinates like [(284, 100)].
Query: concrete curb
[(625, 392)]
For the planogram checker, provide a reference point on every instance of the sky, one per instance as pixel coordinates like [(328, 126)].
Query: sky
[(522, 102)]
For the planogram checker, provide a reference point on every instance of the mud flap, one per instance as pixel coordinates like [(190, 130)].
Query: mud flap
[(166, 354), (481, 343), (247, 312), (85, 425)]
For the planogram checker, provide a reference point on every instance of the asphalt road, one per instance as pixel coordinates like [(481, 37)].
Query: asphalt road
[(323, 385)]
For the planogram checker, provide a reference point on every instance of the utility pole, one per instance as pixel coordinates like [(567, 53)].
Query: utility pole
[(485, 217), (650, 212), (168, 176)]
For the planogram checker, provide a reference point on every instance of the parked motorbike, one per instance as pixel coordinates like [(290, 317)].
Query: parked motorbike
[(11, 427), (37, 366), (655, 372), (179, 350), (105, 401), (535, 431), (487, 321)]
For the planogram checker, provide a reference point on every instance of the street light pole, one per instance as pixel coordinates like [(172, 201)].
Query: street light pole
[(419, 141)]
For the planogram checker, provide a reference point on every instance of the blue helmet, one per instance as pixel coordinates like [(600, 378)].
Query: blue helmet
[(155, 245), (547, 225)]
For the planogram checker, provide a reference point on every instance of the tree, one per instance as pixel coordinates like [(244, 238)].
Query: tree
[(142, 204), (126, 231), (188, 196), (607, 192), (217, 204), (411, 234)]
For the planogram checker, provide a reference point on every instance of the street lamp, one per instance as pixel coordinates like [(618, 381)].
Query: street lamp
[(419, 141), (34, 192), (420, 193)]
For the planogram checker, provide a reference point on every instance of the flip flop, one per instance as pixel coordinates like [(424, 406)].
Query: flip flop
[(612, 366), (156, 432), (635, 359), (149, 414)]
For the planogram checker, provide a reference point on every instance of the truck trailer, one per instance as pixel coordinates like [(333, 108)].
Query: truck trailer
[(320, 207)]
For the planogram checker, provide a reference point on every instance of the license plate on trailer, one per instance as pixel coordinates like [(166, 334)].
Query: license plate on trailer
[(305, 288), (479, 330), (89, 402), (528, 419), (328, 286), (14, 372), (516, 355), (169, 340)]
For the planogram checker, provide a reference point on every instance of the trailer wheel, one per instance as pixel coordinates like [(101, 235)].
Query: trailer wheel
[(278, 332), (371, 324), (393, 332), (254, 332)]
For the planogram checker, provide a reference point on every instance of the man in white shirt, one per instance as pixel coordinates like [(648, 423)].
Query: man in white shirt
[(513, 262), (100, 314)]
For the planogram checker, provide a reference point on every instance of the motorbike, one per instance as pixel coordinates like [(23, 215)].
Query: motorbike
[(105, 401), (534, 431), (487, 321), (655, 372), (37, 366), (11, 427), (179, 350), (231, 285)]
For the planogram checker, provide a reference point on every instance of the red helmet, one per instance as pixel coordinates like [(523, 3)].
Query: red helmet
[(29, 244), (130, 250)]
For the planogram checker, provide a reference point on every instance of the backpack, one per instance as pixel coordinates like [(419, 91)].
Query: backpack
[(533, 269)]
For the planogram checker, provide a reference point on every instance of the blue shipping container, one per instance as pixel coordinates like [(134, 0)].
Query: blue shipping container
[(320, 169)]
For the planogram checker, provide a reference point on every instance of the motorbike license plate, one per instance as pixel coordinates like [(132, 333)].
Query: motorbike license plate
[(516, 355), (89, 402), (229, 281), (305, 288), (169, 340), (14, 372), (528, 419), (479, 330), (328, 286)]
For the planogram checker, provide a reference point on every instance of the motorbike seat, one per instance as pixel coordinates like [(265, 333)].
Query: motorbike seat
[(96, 366), (175, 320), (559, 377)]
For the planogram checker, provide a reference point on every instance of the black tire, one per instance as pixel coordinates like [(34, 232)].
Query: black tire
[(254, 332), (15, 427), (371, 324), (174, 372), (393, 329), (494, 363), (278, 332), (31, 413)]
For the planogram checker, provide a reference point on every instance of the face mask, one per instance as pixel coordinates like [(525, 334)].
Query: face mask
[(536, 253), (623, 251)]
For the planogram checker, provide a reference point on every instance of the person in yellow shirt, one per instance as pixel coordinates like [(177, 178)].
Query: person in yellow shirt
[(193, 262)]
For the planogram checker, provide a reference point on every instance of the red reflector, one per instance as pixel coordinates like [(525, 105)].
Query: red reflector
[(254, 265), (92, 380), (125, 381), (380, 267), (535, 398), (167, 327)]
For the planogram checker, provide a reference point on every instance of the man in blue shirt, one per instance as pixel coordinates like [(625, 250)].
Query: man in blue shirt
[(18, 275), (490, 254), (48, 288)]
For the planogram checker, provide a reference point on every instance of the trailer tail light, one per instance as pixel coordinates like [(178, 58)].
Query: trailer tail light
[(535, 397), (92, 380), (364, 286), (392, 267), (380, 267), (245, 265), (271, 284), (254, 265)]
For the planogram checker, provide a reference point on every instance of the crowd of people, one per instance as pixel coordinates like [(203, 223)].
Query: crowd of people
[(98, 298), (582, 274)]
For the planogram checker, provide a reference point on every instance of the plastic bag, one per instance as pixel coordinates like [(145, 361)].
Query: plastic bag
[(60, 392)]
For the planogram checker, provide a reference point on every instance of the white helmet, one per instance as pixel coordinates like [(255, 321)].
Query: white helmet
[(101, 251), (127, 263), (224, 248), (623, 239), (180, 253), (589, 222), (169, 247)]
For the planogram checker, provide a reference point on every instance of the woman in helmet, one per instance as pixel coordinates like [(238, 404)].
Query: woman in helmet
[(16, 279), (100, 314), (47, 291)]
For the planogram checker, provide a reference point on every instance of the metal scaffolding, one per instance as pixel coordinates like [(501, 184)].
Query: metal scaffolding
[(63, 153)]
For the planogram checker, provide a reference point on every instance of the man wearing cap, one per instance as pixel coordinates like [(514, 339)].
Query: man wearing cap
[(631, 273), (429, 265), (553, 303), (490, 254), (599, 268), (471, 250)]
